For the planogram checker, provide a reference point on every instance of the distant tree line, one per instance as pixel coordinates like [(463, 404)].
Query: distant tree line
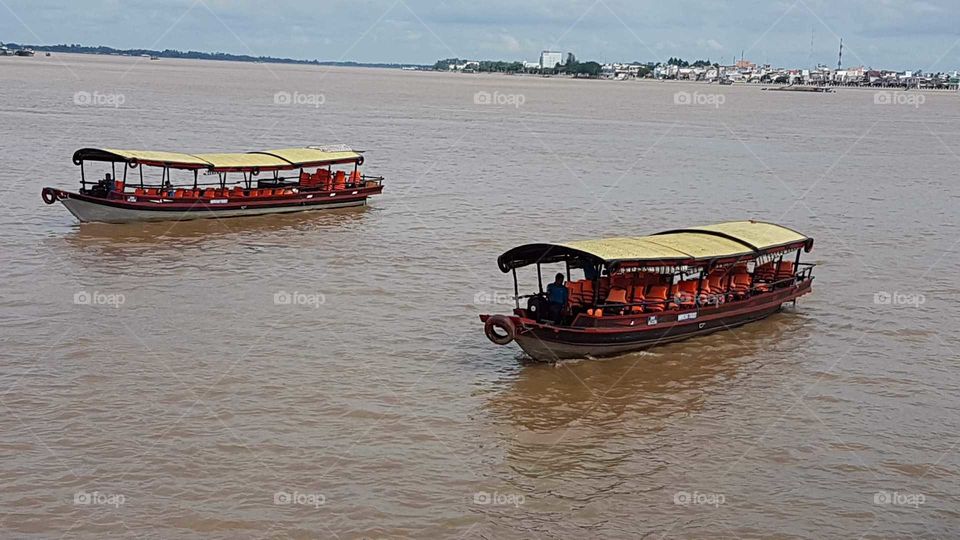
[(172, 53), (570, 67), (680, 62), (485, 65), (582, 69)]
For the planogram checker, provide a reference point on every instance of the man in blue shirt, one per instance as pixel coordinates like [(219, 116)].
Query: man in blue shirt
[(557, 295)]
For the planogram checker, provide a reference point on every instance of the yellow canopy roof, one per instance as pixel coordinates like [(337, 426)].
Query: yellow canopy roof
[(243, 161), (681, 245), (314, 155), (138, 156), (624, 248), (282, 159), (729, 240), (758, 234)]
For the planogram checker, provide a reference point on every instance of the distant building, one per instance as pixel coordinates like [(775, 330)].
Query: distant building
[(666, 71), (468, 65), (550, 59)]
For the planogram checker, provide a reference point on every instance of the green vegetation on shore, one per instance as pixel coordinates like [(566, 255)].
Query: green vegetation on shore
[(680, 62), (485, 66), (588, 69)]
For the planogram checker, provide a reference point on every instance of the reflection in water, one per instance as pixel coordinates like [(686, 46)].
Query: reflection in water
[(159, 233), (174, 241), (565, 413), (595, 435)]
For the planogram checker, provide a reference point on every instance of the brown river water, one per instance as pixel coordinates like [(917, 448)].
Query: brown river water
[(179, 400)]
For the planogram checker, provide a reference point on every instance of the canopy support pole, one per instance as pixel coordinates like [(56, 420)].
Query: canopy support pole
[(539, 278), (776, 273), (699, 287), (196, 175), (669, 291), (141, 176), (568, 269), (516, 289), (83, 178), (596, 284), (113, 168)]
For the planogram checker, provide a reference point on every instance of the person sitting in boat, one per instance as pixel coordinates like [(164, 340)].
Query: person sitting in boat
[(557, 294), (105, 185)]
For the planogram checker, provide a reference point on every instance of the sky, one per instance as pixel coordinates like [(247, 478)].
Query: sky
[(893, 34)]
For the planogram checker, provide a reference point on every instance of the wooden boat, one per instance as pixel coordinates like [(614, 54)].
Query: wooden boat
[(644, 291), (216, 185)]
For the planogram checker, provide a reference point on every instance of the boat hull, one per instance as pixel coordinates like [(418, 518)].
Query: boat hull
[(619, 335), (88, 212), (89, 209)]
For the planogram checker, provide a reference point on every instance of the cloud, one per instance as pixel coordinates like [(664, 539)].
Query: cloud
[(710, 44)]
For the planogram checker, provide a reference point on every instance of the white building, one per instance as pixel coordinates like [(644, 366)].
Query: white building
[(550, 59), (466, 66)]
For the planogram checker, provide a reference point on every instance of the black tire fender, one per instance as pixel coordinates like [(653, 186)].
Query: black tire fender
[(502, 323), (49, 195)]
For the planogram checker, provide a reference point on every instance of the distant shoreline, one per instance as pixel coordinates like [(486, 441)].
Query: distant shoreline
[(707, 84), (224, 57), (198, 55)]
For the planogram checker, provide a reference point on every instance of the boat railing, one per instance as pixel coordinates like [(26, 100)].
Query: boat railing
[(804, 272), (276, 182), (130, 188), (643, 304)]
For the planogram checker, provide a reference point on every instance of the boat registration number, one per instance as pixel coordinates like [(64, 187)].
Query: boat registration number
[(219, 201), (687, 316)]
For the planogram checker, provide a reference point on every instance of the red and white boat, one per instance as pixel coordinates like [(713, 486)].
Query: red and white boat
[(644, 291), (194, 186)]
